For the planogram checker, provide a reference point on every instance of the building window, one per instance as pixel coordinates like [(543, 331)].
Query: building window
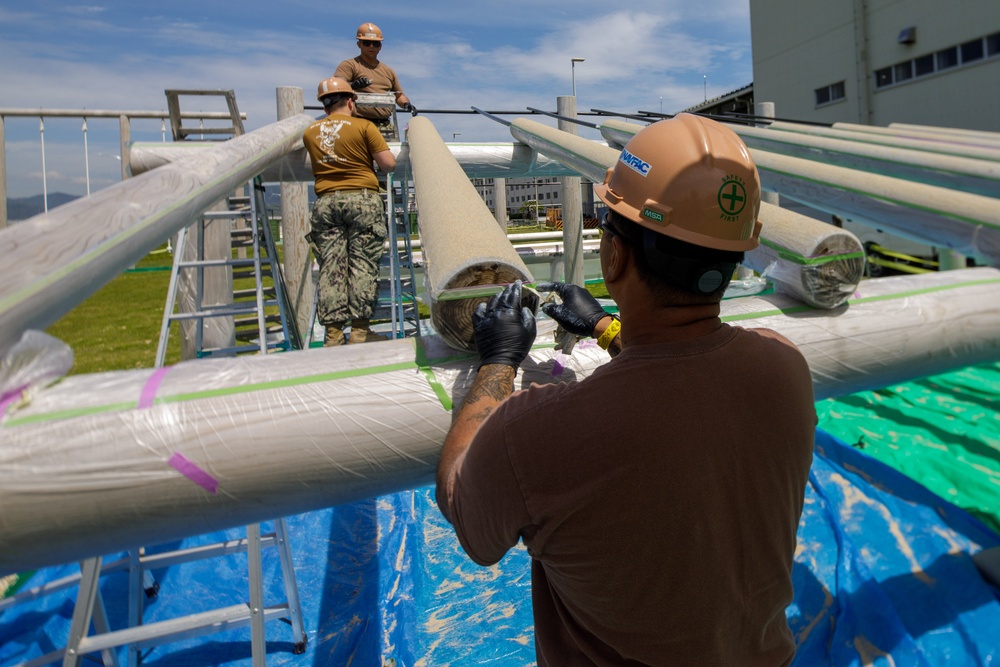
[(967, 53), (924, 65), (993, 44), (972, 51), (832, 93), (947, 58), (903, 71)]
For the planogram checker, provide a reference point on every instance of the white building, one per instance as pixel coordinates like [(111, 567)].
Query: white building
[(926, 62)]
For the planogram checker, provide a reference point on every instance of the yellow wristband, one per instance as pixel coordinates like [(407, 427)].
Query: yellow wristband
[(610, 333)]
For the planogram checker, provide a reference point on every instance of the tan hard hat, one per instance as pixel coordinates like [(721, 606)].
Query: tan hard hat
[(369, 31), (689, 178), (333, 86)]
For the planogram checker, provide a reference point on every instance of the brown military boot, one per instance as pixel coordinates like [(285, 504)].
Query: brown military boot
[(360, 333), (334, 336)]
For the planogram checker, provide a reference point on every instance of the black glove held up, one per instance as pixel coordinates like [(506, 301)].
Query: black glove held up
[(579, 311), (502, 329), (361, 82), (409, 107)]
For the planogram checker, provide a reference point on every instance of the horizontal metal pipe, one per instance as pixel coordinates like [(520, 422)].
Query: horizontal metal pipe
[(103, 113), (55, 260)]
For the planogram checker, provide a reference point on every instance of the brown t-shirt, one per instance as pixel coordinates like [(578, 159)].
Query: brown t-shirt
[(383, 80), (659, 499), (342, 149)]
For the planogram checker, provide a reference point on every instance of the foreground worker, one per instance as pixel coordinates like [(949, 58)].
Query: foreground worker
[(348, 218), (659, 497), (367, 74)]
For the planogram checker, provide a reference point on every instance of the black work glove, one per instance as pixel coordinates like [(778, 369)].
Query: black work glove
[(579, 311), (361, 82), (409, 107), (502, 329)]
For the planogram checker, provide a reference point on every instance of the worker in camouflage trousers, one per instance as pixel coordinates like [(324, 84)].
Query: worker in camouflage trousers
[(348, 218)]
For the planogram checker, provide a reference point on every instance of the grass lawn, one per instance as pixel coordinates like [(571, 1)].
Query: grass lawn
[(118, 327)]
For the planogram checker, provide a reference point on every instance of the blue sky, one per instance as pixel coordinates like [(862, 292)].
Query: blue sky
[(449, 55)]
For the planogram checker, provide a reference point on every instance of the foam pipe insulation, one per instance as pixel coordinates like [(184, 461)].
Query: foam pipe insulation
[(969, 137), (464, 249), (818, 263), (928, 145), (96, 464), (478, 160), (967, 223), (975, 176), (55, 260)]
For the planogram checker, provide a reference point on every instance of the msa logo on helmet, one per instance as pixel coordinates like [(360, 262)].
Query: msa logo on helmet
[(634, 163)]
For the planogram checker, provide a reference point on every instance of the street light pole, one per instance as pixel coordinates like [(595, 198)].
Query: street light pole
[(572, 66)]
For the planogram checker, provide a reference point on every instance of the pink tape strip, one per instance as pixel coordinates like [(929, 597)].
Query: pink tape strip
[(191, 470), (557, 366), (9, 397), (148, 395)]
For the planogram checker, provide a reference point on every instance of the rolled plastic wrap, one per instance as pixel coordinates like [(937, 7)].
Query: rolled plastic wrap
[(464, 247), (816, 262), (105, 462)]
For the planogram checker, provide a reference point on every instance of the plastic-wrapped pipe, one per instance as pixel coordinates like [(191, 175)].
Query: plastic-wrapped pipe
[(465, 251), (817, 263), (55, 260), (101, 463)]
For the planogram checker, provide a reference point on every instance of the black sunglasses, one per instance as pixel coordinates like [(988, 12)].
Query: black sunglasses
[(603, 226), (370, 42)]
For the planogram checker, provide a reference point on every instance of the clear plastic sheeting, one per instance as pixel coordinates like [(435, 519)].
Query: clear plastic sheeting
[(883, 575), (35, 361), (99, 463)]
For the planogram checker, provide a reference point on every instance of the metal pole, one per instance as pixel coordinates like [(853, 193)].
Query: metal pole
[(86, 156), (572, 64), (572, 202), (3, 176), (45, 187)]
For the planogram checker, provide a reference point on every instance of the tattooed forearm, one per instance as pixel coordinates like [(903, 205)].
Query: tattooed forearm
[(493, 381), (492, 385)]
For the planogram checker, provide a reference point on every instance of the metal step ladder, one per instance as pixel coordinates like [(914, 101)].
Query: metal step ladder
[(402, 293), (90, 606), (259, 308)]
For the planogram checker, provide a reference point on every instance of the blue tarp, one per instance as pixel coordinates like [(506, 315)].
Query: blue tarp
[(883, 576)]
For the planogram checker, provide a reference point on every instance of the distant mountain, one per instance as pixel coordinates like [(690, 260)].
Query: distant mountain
[(25, 207)]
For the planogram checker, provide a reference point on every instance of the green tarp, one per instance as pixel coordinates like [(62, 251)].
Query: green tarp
[(942, 431)]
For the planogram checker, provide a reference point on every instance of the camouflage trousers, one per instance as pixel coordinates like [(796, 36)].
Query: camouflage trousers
[(347, 237)]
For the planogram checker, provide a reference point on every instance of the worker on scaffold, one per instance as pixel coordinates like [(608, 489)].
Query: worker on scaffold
[(348, 225), (367, 74), (659, 498)]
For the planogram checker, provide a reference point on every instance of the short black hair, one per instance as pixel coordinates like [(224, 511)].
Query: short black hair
[(672, 268), (335, 99)]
